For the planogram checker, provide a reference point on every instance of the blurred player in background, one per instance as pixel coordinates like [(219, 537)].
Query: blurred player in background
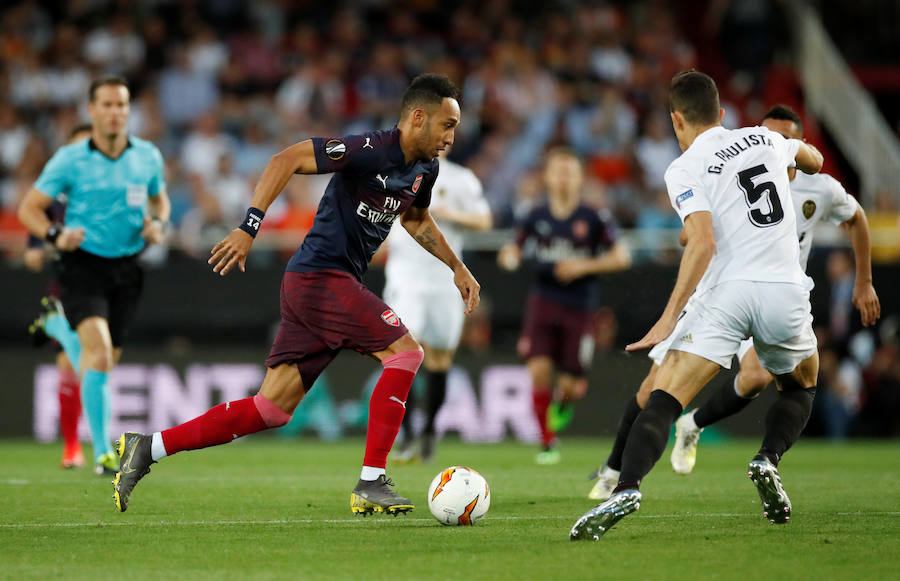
[(35, 256), (571, 244), (378, 177), (731, 190), (815, 197), (421, 291), (116, 204)]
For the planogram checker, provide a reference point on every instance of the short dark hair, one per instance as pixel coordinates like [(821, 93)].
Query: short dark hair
[(784, 113), (111, 80), (428, 89), (562, 151), (695, 96), (80, 128)]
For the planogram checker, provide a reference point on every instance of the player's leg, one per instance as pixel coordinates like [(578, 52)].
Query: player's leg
[(608, 474), (795, 364), (573, 359), (52, 323), (387, 406), (281, 392), (96, 363), (437, 364), (69, 411), (680, 378), (540, 368)]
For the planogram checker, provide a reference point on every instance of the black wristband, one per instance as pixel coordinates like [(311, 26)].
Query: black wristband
[(53, 233), (252, 221)]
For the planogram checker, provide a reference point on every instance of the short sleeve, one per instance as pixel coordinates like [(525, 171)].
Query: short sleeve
[(843, 205), (685, 192), (352, 153), (55, 178), (786, 148), (158, 181), (423, 195)]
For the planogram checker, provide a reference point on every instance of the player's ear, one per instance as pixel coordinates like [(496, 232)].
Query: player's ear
[(419, 117), (677, 120), (721, 114)]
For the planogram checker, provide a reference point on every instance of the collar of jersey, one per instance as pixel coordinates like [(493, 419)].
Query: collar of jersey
[(709, 132), (92, 146)]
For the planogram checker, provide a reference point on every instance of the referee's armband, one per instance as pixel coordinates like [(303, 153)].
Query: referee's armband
[(252, 221)]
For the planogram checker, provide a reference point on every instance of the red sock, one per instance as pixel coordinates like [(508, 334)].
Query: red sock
[(541, 399), (224, 423), (69, 407), (388, 405)]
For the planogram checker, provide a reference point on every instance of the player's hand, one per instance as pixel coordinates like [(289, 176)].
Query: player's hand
[(468, 287), (153, 232), (509, 257), (866, 300), (568, 270), (70, 239), (231, 251), (662, 329)]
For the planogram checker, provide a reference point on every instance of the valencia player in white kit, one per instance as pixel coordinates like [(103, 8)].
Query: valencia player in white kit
[(424, 296), (742, 257)]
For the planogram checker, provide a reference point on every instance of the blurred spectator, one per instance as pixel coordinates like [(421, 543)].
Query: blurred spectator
[(204, 147), (841, 275), (655, 223), (185, 94), (884, 224), (838, 393), (115, 48), (655, 150)]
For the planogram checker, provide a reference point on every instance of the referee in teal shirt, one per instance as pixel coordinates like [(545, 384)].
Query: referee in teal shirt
[(117, 204)]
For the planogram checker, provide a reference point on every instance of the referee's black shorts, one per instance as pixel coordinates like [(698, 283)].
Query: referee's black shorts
[(93, 286)]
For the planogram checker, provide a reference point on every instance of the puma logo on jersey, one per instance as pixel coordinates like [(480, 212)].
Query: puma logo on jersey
[(398, 400), (383, 180), (367, 144)]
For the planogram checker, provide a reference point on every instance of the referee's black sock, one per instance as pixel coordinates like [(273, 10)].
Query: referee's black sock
[(724, 402), (436, 391), (785, 420), (648, 438), (629, 414)]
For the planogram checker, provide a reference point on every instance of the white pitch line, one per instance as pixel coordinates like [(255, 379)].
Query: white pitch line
[(358, 519)]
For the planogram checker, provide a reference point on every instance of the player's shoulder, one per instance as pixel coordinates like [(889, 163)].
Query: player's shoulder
[(144, 147), (73, 150)]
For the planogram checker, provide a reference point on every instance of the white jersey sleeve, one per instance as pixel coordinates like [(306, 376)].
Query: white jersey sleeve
[(843, 205), (685, 192)]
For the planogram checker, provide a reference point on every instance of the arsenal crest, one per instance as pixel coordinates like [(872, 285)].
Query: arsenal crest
[(809, 208), (390, 318), (417, 183), (580, 229)]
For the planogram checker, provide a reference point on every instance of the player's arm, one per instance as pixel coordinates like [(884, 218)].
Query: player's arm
[(509, 257), (33, 215), (421, 226), (698, 251), (864, 296), (232, 251), (159, 209), (613, 260), (477, 221), (809, 159)]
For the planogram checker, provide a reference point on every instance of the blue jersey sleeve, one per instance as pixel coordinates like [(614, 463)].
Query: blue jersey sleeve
[(423, 196), (353, 153), (55, 179), (158, 181)]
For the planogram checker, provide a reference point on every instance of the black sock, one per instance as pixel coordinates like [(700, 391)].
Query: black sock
[(724, 402), (648, 437), (408, 434), (436, 391), (629, 414), (785, 420)]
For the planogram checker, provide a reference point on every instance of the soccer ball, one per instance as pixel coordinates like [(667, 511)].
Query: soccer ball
[(458, 496)]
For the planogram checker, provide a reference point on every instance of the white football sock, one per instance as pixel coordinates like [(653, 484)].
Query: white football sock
[(157, 449), (370, 473)]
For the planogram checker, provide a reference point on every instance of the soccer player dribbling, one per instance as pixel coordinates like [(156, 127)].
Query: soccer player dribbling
[(378, 177)]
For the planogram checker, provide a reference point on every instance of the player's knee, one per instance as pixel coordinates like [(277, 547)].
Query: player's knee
[(752, 382), (272, 415), (406, 360), (99, 360)]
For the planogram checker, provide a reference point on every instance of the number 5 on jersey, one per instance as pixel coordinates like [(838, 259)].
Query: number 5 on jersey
[(753, 193)]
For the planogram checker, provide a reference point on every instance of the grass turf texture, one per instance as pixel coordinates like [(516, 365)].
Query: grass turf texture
[(267, 509)]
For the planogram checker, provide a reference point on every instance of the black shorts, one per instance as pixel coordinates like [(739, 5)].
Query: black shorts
[(93, 286)]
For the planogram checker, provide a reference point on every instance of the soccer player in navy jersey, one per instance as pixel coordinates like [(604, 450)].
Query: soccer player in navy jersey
[(378, 176), (571, 243)]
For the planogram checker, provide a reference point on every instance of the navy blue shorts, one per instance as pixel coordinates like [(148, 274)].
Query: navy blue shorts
[(325, 311)]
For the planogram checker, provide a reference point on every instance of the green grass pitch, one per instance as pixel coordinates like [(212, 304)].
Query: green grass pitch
[(266, 508)]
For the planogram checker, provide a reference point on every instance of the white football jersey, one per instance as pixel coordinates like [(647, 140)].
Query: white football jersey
[(818, 197), (408, 263), (740, 177)]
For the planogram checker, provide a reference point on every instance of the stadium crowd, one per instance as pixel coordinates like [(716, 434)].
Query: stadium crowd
[(221, 85)]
